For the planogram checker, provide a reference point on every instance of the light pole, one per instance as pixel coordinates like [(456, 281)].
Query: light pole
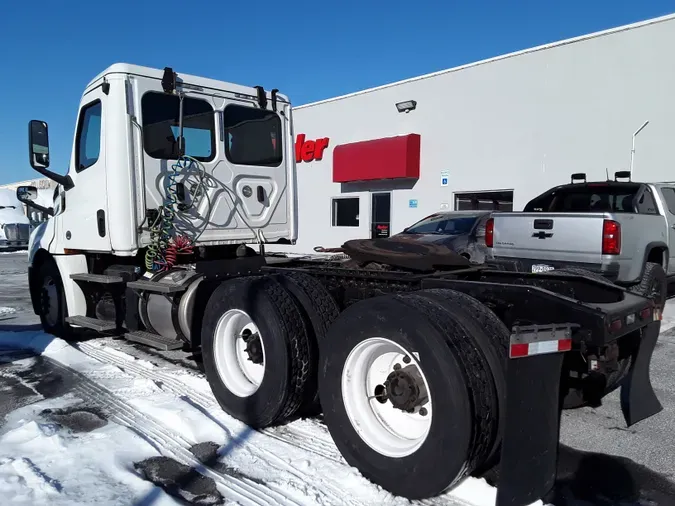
[(632, 150)]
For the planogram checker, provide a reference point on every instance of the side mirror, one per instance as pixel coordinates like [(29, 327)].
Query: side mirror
[(26, 194), (38, 153), (38, 142)]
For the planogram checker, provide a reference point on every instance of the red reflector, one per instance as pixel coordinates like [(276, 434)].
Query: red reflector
[(615, 326), (611, 237), (519, 350), (645, 313), (489, 232), (565, 345)]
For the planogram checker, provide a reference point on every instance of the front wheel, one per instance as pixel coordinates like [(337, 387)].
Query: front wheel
[(51, 298)]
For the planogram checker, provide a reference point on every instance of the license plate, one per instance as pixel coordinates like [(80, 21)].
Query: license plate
[(542, 268)]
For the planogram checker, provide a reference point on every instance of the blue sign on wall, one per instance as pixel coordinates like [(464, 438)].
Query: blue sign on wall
[(412, 203)]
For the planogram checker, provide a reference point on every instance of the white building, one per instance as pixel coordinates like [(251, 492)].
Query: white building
[(493, 133)]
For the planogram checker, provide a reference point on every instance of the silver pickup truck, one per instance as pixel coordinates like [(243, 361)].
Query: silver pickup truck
[(620, 230)]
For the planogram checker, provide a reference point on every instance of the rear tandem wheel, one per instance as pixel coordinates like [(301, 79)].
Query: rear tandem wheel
[(256, 352), (408, 392)]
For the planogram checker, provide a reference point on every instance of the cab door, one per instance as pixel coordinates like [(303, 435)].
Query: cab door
[(84, 221)]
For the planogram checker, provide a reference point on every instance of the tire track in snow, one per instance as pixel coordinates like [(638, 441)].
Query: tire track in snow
[(171, 444), (297, 437), (322, 446), (207, 405)]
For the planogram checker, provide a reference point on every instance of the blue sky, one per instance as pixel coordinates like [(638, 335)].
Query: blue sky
[(309, 50)]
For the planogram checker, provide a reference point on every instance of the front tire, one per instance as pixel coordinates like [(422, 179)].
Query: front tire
[(413, 454), (52, 307), (255, 350)]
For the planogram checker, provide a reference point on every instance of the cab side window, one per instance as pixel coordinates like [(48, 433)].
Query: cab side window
[(88, 144), (669, 196), (646, 203)]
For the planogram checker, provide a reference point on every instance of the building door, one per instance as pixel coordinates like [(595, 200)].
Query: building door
[(380, 216)]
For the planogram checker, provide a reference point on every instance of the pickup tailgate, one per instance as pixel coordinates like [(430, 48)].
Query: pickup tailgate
[(561, 237)]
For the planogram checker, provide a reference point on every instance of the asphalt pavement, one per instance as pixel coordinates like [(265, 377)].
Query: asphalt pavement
[(601, 461)]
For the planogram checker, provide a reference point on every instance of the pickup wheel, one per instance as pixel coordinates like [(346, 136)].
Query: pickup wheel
[(319, 310), (255, 350), (405, 386), (52, 308), (653, 284)]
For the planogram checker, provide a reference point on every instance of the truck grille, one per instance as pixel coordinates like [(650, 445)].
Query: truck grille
[(17, 232)]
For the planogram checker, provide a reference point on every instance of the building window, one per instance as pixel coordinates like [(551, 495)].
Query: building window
[(161, 127), (346, 212), (252, 136), (484, 201), (88, 136)]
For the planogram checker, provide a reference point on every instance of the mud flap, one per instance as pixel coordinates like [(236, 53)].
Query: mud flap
[(638, 400), (529, 455)]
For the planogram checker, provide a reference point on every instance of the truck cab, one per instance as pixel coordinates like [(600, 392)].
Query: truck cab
[(125, 163), (161, 161)]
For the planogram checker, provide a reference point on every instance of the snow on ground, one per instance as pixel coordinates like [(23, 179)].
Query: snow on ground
[(93, 413)]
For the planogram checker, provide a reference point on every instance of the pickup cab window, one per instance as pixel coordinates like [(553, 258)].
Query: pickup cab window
[(646, 203), (587, 198), (669, 197)]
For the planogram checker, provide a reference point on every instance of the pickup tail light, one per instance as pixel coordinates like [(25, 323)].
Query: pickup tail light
[(490, 232), (611, 237)]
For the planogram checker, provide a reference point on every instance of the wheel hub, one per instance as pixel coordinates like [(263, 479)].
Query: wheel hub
[(404, 388), (253, 348)]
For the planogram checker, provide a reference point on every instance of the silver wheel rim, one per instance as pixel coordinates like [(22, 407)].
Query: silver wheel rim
[(237, 371), (383, 427)]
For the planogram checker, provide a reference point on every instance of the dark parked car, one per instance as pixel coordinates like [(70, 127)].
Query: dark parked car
[(461, 231)]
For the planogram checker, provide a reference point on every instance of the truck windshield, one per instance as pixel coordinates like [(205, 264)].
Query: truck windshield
[(587, 198), (444, 224)]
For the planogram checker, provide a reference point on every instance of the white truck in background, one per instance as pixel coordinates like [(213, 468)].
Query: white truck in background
[(622, 231), (14, 224), (427, 369)]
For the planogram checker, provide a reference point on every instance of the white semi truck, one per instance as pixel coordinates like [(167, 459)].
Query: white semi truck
[(427, 369), (14, 225)]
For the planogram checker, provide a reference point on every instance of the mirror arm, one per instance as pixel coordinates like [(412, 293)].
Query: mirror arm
[(47, 210), (64, 181)]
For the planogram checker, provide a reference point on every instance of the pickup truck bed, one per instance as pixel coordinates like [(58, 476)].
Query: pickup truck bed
[(620, 230)]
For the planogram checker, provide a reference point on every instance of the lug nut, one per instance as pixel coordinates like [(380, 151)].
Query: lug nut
[(423, 411), (406, 359), (397, 367)]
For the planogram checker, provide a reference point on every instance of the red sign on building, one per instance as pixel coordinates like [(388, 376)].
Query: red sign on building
[(308, 150)]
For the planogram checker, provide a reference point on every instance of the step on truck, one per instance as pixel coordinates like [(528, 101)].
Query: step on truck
[(427, 369)]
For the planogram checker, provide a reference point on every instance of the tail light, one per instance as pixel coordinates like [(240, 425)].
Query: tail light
[(489, 232), (611, 238)]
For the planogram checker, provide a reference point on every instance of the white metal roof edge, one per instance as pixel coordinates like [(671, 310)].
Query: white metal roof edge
[(155, 73), (542, 47)]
